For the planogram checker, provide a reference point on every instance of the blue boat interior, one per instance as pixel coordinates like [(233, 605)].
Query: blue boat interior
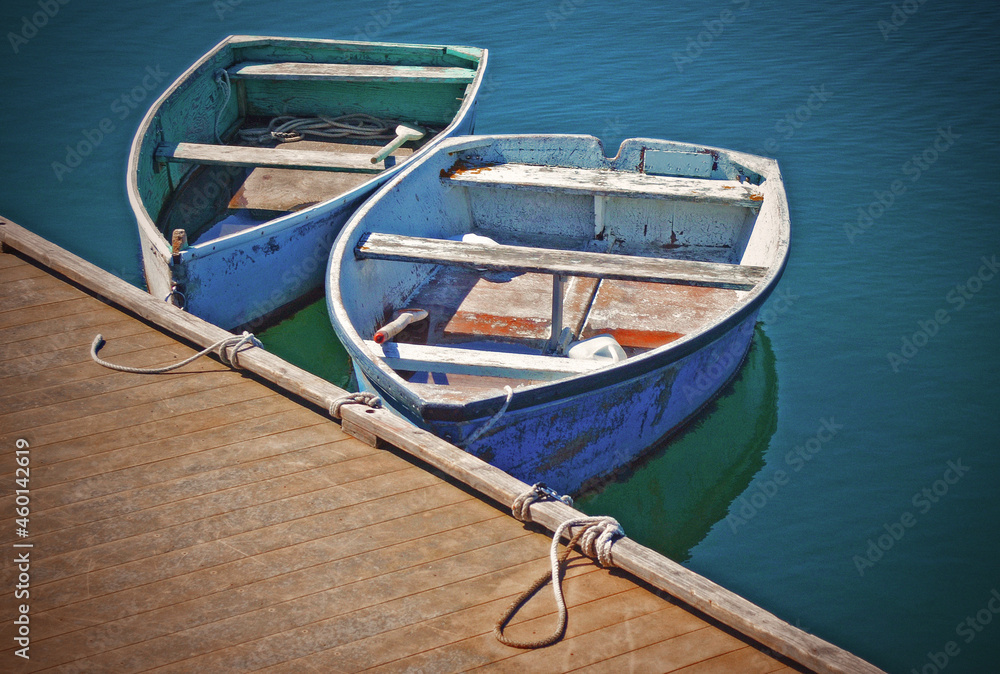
[(690, 213)]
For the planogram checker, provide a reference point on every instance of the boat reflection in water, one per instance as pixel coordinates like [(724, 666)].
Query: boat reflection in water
[(673, 496)]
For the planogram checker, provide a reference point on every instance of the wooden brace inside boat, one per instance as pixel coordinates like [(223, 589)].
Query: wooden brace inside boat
[(606, 183), (229, 155), (458, 360), (352, 72), (400, 248)]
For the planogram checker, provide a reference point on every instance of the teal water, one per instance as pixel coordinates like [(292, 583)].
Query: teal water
[(867, 415)]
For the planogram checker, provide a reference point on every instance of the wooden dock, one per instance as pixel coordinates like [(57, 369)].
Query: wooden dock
[(217, 520)]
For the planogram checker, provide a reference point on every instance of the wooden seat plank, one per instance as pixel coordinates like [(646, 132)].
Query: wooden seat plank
[(607, 183), (379, 246), (352, 72), (272, 157), (456, 360)]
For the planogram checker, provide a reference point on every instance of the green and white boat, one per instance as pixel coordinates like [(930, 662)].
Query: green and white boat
[(244, 170)]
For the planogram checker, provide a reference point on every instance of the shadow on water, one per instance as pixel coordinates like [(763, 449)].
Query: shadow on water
[(677, 492), (306, 339)]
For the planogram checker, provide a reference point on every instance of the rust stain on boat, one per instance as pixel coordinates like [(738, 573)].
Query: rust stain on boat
[(462, 167)]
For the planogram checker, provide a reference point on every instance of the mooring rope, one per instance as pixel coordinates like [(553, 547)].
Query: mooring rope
[(227, 350), (288, 128), (492, 420), (521, 508), (362, 398), (596, 537)]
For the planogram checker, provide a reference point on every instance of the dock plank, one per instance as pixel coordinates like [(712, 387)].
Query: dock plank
[(202, 521)]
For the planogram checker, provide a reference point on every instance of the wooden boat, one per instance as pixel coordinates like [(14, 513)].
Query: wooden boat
[(596, 307), (243, 171)]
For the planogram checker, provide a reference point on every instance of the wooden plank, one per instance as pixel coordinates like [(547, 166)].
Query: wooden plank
[(30, 314), (669, 655), (420, 625), (379, 246), (457, 360), (190, 555), (236, 400), (351, 72), (746, 660), (264, 616), (607, 183), (276, 157)]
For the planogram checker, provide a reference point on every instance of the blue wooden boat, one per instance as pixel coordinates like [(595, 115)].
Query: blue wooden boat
[(243, 171), (552, 310)]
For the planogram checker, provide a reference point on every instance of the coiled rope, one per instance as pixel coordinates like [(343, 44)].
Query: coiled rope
[(596, 536), (288, 128), (227, 350), (362, 398)]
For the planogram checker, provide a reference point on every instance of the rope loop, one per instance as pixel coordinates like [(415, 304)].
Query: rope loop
[(521, 508), (361, 398), (234, 344), (596, 536)]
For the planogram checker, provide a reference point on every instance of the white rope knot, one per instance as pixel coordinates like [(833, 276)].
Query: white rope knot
[(598, 537), (521, 508), (234, 344), (361, 398), (229, 348)]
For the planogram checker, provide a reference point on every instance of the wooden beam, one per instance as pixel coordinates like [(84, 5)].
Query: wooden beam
[(458, 360), (607, 183), (395, 247), (352, 72), (231, 155)]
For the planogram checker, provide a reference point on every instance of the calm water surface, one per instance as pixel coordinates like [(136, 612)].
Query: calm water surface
[(847, 481)]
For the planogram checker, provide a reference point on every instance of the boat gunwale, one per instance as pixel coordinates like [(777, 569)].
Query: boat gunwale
[(289, 220), (550, 391)]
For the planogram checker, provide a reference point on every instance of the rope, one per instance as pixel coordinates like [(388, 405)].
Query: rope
[(362, 398), (595, 539), (227, 350), (288, 128), (496, 417), (222, 78), (521, 508)]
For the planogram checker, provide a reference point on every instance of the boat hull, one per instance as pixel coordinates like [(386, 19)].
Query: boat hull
[(566, 427), (572, 442)]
